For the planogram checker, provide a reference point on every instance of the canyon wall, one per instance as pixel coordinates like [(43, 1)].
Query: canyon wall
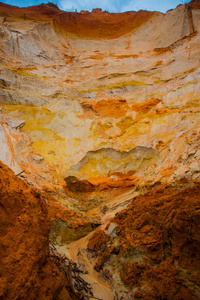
[(66, 91), (26, 270), (100, 112)]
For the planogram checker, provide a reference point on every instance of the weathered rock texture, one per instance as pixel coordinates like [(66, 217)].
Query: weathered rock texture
[(96, 109), (151, 250), (26, 270), (75, 84)]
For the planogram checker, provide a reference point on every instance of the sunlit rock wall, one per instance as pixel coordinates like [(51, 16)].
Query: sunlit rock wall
[(80, 91)]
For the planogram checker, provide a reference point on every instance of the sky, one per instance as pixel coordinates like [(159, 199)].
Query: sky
[(108, 5)]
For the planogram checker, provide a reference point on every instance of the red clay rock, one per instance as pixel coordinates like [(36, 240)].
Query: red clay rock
[(26, 270), (41, 12), (136, 86), (157, 244), (99, 24), (98, 241)]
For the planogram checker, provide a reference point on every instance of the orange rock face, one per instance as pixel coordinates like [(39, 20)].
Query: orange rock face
[(82, 82), (155, 246), (40, 12), (101, 113), (99, 24), (26, 270)]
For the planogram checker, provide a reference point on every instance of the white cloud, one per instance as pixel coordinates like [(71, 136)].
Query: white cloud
[(88, 5), (109, 5), (151, 5), (119, 5)]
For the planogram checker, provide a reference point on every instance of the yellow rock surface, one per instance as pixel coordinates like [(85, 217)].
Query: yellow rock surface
[(81, 95)]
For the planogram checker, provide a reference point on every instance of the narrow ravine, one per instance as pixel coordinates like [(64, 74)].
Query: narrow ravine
[(77, 251)]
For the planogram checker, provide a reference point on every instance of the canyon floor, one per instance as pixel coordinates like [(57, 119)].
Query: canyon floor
[(100, 154)]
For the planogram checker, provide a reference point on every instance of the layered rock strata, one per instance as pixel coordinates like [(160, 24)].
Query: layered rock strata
[(76, 92), (101, 113)]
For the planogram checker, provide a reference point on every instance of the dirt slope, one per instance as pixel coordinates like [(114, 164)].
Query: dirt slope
[(151, 249), (26, 270)]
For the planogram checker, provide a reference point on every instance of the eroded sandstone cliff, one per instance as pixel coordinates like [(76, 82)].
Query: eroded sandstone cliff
[(151, 249), (26, 270), (69, 94), (101, 113)]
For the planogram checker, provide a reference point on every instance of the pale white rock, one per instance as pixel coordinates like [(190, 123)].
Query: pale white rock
[(196, 176), (192, 152), (197, 155), (185, 156), (194, 166), (5, 154), (37, 158), (51, 93), (111, 229), (16, 123), (182, 170)]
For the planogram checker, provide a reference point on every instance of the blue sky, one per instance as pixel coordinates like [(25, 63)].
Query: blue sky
[(109, 5)]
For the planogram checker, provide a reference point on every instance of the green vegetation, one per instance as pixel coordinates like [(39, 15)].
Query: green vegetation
[(51, 4)]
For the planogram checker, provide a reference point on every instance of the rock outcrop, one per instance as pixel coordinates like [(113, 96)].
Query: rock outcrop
[(101, 113), (26, 270), (80, 92), (151, 249)]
